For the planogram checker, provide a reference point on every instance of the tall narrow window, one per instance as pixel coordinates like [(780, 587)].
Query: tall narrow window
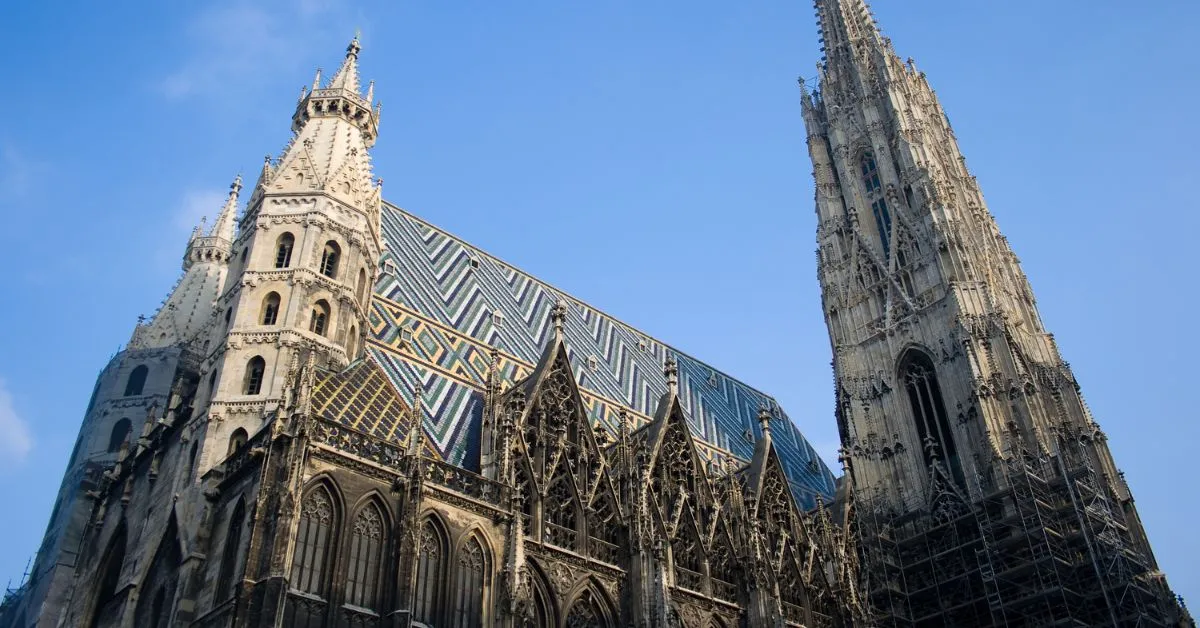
[(468, 583), (362, 285), (110, 575), (231, 552), (137, 381), (430, 567), (310, 565), (270, 309), (883, 222), (588, 610), (352, 342), (237, 440), (283, 250), (366, 551), (120, 432), (329, 259), (319, 319), (929, 411), (254, 375), (879, 208)]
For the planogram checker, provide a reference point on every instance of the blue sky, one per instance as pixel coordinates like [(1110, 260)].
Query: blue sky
[(646, 157)]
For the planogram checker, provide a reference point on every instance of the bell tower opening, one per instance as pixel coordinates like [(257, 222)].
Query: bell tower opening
[(929, 412)]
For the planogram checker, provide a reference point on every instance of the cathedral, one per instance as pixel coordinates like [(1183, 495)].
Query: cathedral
[(344, 416)]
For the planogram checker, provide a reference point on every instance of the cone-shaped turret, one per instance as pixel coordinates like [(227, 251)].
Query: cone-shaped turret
[(189, 307), (223, 229), (347, 75)]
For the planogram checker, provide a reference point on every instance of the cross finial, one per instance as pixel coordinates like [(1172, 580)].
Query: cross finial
[(671, 372)]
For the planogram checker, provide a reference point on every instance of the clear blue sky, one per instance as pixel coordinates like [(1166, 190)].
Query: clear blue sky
[(646, 157)]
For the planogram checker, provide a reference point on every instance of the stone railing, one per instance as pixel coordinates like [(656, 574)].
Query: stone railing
[(724, 590), (689, 579), (565, 538), (603, 551), (356, 443), (460, 480), (792, 613)]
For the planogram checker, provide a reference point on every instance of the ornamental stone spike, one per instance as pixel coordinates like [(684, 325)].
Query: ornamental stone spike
[(558, 314), (226, 221), (347, 76), (764, 420), (671, 372)]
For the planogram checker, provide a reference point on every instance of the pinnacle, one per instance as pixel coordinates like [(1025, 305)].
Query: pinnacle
[(224, 226), (347, 75)]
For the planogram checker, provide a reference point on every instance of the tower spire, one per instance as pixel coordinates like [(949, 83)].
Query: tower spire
[(347, 76), (844, 24), (223, 228)]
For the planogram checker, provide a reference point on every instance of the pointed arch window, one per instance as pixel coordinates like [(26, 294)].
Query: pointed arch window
[(137, 381), (470, 572), (270, 309), (329, 259), (367, 541), (120, 432), (255, 369), (562, 510), (162, 577), (360, 290), (319, 319), (314, 547), (283, 250), (430, 568), (110, 575), (352, 342), (231, 552), (588, 610), (237, 440), (929, 412), (879, 207)]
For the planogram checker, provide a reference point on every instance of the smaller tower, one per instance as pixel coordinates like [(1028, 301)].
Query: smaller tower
[(153, 377), (307, 253)]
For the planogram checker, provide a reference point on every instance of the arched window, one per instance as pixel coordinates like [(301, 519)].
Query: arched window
[(469, 577), (588, 610), (929, 411), (362, 285), (237, 440), (319, 319), (367, 542), (254, 375), (283, 250), (162, 578), (228, 317), (314, 547), (430, 573), (137, 381), (879, 208), (231, 552), (105, 611), (562, 510), (212, 384), (120, 432), (352, 342), (329, 259), (270, 309)]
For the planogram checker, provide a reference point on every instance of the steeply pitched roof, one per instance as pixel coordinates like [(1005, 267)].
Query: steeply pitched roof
[(442, 302)]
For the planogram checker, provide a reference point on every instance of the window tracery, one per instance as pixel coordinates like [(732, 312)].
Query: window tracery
[(230, 553), (314, 550), (469, 583), (587, 612), (253, 380), (367, 541), (429, 574), (329, 259), (270, 310), (929, 412)]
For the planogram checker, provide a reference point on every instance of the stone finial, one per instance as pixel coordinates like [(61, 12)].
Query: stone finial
[(558, 314), (316, 84), (764, 419), (671, 372)]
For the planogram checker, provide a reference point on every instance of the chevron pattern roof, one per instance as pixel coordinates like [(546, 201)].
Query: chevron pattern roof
[(441, 303)]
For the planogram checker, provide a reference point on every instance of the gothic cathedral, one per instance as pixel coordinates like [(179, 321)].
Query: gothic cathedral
[(344, 416)]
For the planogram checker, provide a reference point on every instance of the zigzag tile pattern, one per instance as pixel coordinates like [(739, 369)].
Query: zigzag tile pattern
[(441, 304)]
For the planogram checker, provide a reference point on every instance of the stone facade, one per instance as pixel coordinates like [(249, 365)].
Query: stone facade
[(984, 490), (312, 444), (343, 416)]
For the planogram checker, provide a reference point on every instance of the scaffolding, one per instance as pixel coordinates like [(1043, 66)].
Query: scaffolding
[(1047, 546)]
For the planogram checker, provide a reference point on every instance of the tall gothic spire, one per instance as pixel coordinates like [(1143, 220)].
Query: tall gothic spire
[(845, 24)]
